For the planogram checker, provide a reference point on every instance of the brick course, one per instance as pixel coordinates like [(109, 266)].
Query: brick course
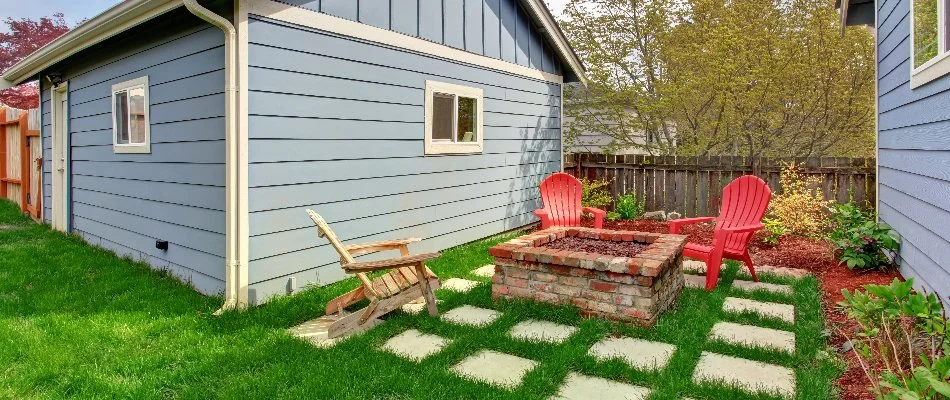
[(638, 288)]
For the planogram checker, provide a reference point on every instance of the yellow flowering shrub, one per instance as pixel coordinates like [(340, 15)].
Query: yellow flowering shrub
[(801, 208)]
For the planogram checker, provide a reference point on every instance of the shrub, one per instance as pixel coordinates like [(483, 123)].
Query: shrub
[(860, 240), (628, 207), (595, 193), (801, 208), (773, 230), (906, 332)]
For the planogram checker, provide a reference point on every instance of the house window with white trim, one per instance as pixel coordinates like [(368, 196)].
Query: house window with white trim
[(453, 120), (930, 48), (130, 126)]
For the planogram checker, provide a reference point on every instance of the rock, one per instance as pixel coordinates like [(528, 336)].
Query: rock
[(655, 215), (674, 215), (846, 347)]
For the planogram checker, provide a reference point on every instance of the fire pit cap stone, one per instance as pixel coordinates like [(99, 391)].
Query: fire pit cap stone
[(659, 254)]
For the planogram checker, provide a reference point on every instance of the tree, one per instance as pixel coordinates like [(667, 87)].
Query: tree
[(736, 77), (24, 37)]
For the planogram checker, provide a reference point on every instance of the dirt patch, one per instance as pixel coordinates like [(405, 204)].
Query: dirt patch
[(605, 247), (803, 253)]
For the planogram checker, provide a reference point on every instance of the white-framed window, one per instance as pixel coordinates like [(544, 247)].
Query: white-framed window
[(930, 49), (130, 126), (453, 119)]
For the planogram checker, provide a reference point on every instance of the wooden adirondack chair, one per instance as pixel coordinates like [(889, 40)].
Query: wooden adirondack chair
[(561, 194), (386, 293), (744, 202)]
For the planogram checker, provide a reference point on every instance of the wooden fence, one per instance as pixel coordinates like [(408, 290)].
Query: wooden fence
[(21, 162), (692, 186)]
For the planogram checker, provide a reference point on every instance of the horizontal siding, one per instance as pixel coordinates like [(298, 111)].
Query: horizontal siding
[(125, 202), (477, 26), (336, 125), (317, 258), (331, 272), (204, 283), (914, 155), (289, 218)]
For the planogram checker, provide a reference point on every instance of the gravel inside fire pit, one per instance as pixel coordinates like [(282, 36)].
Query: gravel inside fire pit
[(605, 247)]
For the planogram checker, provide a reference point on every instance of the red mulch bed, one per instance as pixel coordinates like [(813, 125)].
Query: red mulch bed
[(797, 252), (605, 247)]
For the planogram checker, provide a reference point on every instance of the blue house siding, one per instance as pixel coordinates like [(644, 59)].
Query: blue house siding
[(914, 154), (125, 202), (337, 125), (479, 26)]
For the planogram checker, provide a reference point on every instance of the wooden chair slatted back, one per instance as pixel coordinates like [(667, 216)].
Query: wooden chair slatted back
[(744, 202), (561, 194), (323, 230)]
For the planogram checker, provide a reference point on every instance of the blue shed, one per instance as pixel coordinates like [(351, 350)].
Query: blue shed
[(194, 135), (913, 142)]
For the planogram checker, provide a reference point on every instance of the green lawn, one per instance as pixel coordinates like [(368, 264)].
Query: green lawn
[(76, 321)]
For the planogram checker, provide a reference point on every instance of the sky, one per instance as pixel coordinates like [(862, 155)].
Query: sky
[(78, 10), (74, 10)]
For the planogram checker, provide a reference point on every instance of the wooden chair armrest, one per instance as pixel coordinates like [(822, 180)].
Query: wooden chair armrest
[(744, 229), (381, 245), (598, 216), (391, 263), (675, 224), (592, 210)]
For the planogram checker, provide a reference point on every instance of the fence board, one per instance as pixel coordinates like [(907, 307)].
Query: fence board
[(21, 159), (693, 186)]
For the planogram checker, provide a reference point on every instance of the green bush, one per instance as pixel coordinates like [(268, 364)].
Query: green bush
[(906, 332), (595, 193), (860, 240), (773, 230), (628, 207)]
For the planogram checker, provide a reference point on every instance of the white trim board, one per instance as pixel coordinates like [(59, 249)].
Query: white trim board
[(553, 31), (939, 65), (316, 20)]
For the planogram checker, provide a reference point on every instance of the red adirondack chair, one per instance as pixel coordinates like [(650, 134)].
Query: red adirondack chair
[(744, 202), (561, 194)]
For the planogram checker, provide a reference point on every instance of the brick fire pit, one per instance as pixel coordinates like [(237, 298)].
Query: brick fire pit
[(639, 281)]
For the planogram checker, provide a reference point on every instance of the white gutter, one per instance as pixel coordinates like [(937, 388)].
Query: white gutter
[(109, 23), (235, 274)]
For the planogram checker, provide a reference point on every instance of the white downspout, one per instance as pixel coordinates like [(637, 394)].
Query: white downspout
[(235, 279)]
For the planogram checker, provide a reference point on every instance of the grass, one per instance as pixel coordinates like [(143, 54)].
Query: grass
[(76, 321)]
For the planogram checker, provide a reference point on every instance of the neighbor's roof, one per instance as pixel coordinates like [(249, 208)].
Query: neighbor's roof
[(131, 13), (856, 12)]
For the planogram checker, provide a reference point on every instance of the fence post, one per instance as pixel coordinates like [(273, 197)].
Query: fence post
[(25, 171), (3, 152)]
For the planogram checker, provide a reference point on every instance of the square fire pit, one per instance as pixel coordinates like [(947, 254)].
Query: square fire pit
[(623, 275)]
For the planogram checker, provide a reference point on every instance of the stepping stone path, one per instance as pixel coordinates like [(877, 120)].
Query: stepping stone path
[(638, 353), (485, 271), (458, 285), (752, 376), (753, 336), (542, 331), (494, 368), (316, 331), (415, 345), (694, 267), (695, 281), (795, 273), (471, 316), (417, 306), (582, 387), (751, 286), (784, 312)]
